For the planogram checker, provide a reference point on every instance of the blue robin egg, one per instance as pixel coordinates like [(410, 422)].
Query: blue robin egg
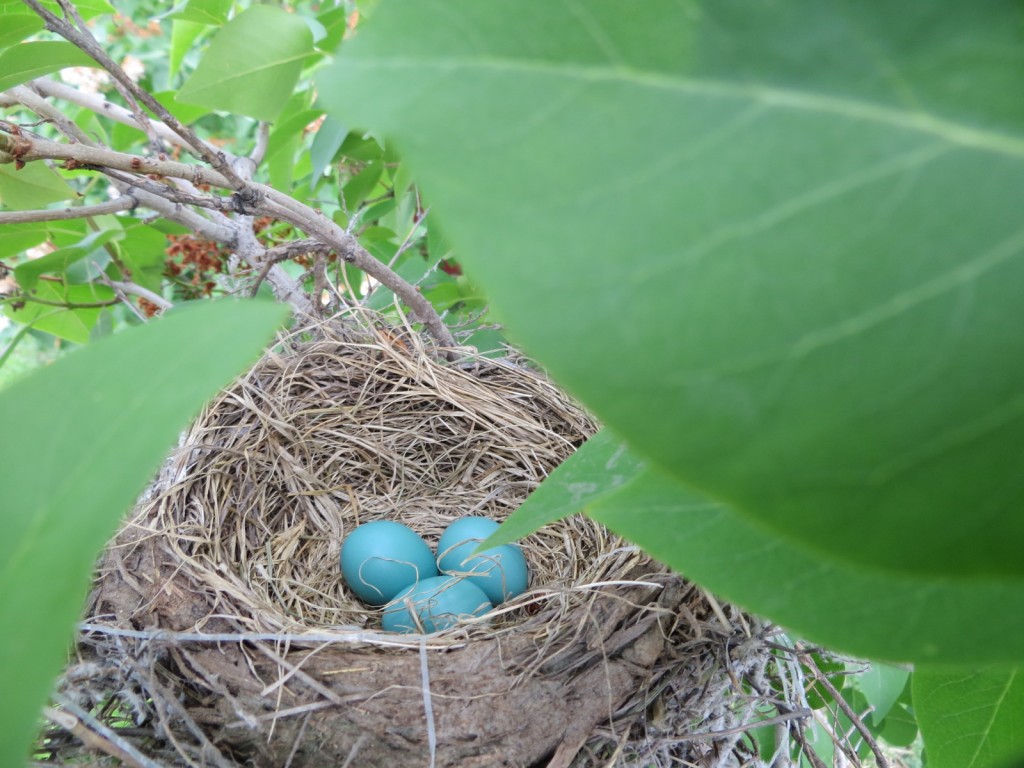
[(380, 559), (434, 604), (501, 572)]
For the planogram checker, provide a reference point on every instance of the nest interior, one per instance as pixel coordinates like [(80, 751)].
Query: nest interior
[(220, 622)]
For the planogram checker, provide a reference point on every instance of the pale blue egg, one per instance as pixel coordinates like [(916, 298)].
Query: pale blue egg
[(501, 572), (381, 558), (434, 604)]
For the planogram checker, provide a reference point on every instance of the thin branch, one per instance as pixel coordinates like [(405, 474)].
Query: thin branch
[(29, 98), (348, 248), (29, 148), (122, 203), (251, 199), (342, 636), (87, 43), (262, 142), (95, 102), (97, 735), (22, 297), (825, 683), (134, 289)]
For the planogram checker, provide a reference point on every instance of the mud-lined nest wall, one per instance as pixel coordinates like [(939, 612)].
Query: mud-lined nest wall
[(220, 625)]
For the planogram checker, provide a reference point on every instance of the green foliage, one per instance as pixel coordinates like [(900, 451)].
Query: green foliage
[(775, 247), (776, 250), (970, 719), (252, 64), (772, 331), (871, 614), (21, 63), (18, 26), (597, 469), (882, 685), (33, 186), (95, 424)]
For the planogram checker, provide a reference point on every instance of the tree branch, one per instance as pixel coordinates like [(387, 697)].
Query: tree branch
[(29, 148), (249, 199), (87, 43), (134, 289), (348, 248), (822, 679), (122, 203), (95, 102), (29, 98)]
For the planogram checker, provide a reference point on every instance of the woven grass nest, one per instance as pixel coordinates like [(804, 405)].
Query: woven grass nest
[(220, 627)]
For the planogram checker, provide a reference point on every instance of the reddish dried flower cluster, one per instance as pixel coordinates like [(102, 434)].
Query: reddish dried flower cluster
[(125, 27), (194, 260), (147, 307), (451, 267)]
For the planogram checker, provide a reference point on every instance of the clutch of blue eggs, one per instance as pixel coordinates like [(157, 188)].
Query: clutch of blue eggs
[(387, 564)]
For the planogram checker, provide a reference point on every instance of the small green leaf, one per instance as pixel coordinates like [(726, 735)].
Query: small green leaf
[(325, 146), (359, 187), (881, 685), (206, 12), (34, 186), (183, 36), (900, 727), (87, 9), (868, 613), (252, 64), (72, 324), (17, 26), (834, 670), (970, 719), (27, 274), (27, 61), (143, 252), (15, 238), (600, 467), (80, 438)]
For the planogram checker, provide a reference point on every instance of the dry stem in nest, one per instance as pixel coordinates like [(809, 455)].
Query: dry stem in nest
[(220, 622)]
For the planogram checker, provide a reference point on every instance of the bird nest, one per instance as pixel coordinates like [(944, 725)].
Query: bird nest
[(221, 633)]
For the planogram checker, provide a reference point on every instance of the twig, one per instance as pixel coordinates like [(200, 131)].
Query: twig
[(27, 149), (95, 102), (122, 203), (29, 98), (825, 683), (250, 199), (348, 248), (134, 289), (342, 636), (87, 43), (259, 151), (96, 735), (15, 298), (428, 706)]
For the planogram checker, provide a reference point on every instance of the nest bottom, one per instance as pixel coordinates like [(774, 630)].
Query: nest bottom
[(221, 633)]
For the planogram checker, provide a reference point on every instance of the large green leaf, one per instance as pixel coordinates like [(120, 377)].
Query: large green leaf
[(252, 64), (971, 719), (776, 246), (869, 614), (27, 61), (80, 438)]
